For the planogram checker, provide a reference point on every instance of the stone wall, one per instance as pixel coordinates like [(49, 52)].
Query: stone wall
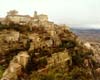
[(43, 17), (57, 58), (19, 19)]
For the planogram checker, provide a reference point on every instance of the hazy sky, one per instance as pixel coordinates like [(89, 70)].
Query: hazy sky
[(72, 12)]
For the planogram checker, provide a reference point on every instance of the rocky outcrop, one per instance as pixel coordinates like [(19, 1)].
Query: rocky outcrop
[(15, 66), (41, 49)]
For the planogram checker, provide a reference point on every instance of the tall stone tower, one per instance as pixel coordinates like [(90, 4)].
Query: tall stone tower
[(35, 13)]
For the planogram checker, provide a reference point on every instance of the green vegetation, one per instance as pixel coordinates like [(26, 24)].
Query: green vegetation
[(62, 73), (1, 70), (68, 44)]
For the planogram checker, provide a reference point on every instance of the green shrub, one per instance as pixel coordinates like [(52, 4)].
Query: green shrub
[(1, 70), (43, 61), (68, 44)]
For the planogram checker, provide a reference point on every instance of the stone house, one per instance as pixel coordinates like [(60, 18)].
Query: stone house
[(43, 17), (40, 17), (21, 19), (57, 58), (12, 36), (13, 16), (36, 20), (2, 20)]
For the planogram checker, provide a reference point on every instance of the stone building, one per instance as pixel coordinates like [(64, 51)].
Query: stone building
[(21, 19), (13, 16), (15, 66), (43, 17), (2, 20), (38, 19), (9, 36), (57, 58)]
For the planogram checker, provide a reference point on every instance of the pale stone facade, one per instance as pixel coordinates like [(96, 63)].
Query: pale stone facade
[(13, 16), (2, 20), (12, 36), (25, 19), (36, 20), (57, 58), (21, 19), (43, 17), (15, 66), (9, 36)]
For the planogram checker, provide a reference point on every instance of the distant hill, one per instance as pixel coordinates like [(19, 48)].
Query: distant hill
[(88, 34)]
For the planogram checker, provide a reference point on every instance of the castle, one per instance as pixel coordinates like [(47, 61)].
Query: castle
[(13, 16), (35, 20)]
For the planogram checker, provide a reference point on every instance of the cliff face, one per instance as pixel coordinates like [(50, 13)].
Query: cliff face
[(43, 52)]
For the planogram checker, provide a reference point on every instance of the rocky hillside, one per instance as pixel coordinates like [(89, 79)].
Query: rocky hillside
[(44, 52)]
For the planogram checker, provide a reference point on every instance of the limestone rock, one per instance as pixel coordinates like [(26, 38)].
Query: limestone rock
[(41, 45), (15, 66)]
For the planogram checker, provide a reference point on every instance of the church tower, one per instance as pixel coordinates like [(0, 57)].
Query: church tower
[(35, 13)]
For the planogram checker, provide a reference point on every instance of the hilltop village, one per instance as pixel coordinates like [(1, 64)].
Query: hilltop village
[(33, 48), (36, 20), (13, 16)]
